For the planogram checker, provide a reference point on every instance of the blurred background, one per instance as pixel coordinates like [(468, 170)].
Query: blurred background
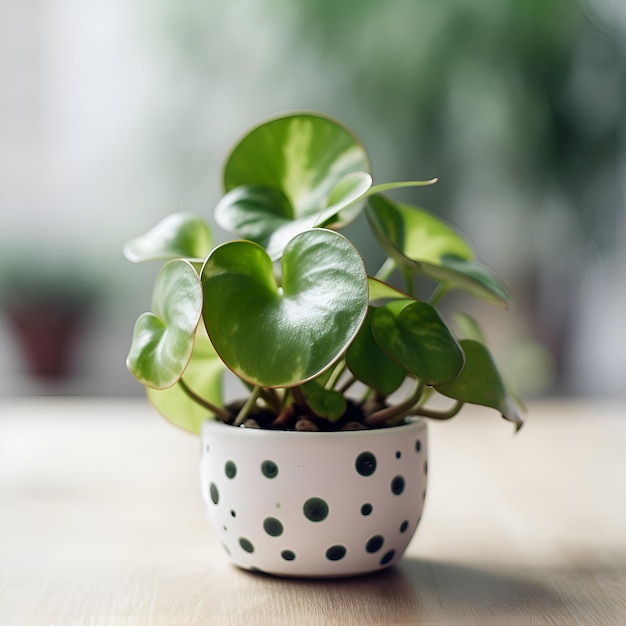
[(114, 113)]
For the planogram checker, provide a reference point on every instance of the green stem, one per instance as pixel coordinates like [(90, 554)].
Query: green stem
[(245, 409), (438, 293), (441, 415), (399, 410), (222, 413), (408, 281), (336, 375), (272, 399), (386, 269)]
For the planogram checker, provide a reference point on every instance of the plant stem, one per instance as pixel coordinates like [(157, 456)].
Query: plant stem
[(245, 409), (441, 415), (440, 290), (222, 413), (408, 281), (272, 399), (388, 413), (300, 401), (336, 375), (386, 269)]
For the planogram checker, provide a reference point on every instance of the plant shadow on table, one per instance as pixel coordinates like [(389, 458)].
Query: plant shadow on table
[(415, 587)]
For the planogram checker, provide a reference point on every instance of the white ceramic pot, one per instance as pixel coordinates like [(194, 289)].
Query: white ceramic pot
[(314, 504)]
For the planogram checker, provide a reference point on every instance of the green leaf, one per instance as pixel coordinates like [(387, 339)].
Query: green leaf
[(380, 290), (260, 214), (414, 335), (328, 404), (480, 383), (420, 242), (203, 376), (369, 364), (180, 235), (296, 171), (304, 155), (163, 340), (282, 336)]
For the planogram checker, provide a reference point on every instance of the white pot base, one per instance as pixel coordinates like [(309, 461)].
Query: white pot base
[(314, 504)]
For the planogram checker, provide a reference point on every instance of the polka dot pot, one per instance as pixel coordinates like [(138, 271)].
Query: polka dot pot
[(314, 504)]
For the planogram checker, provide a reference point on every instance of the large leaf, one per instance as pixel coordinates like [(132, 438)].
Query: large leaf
[(304, 155), (420, 242), (480, 383), (163, 339), (369, 364), (292, 168), (179, 235), (203, 376), (414, 335), (281, 336)]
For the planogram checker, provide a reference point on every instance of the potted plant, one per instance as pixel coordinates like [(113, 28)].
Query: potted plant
[(320, 470)]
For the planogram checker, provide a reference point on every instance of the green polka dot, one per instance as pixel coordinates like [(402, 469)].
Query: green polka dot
[(387, 558), (269, 469), (288, 555), (418, 446), (226, 549), (215, 494), (397, 485), (272, 526), (398, 454), (404, 526), (230, 469), (425, 467), (335, 553), (315, 509), (233, 513), (365, 464), (366, 509), (374, 544), (246, 545)]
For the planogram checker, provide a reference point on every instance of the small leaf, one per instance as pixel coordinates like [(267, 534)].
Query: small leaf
[(283, 336), (328, 404), (380, 290), (422, 243), (254, 212), (163, 340), (203, 376), (414, 335), (480, 383), (369, 364), (179, 235)]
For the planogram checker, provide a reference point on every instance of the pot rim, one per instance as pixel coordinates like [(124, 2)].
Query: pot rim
[(412, 423)]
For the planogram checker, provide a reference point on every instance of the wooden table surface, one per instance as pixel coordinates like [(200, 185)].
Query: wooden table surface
[(101, 522)]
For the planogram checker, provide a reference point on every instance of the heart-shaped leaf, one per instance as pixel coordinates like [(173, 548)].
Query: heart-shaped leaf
[(179, 235), (304, 155), (420, 242), (480, 383), (203, 376), (369, 364), (163, 340), (414, 335), (328, 404), (281, 336)]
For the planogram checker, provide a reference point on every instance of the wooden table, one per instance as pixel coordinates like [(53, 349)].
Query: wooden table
[(101, 522)]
